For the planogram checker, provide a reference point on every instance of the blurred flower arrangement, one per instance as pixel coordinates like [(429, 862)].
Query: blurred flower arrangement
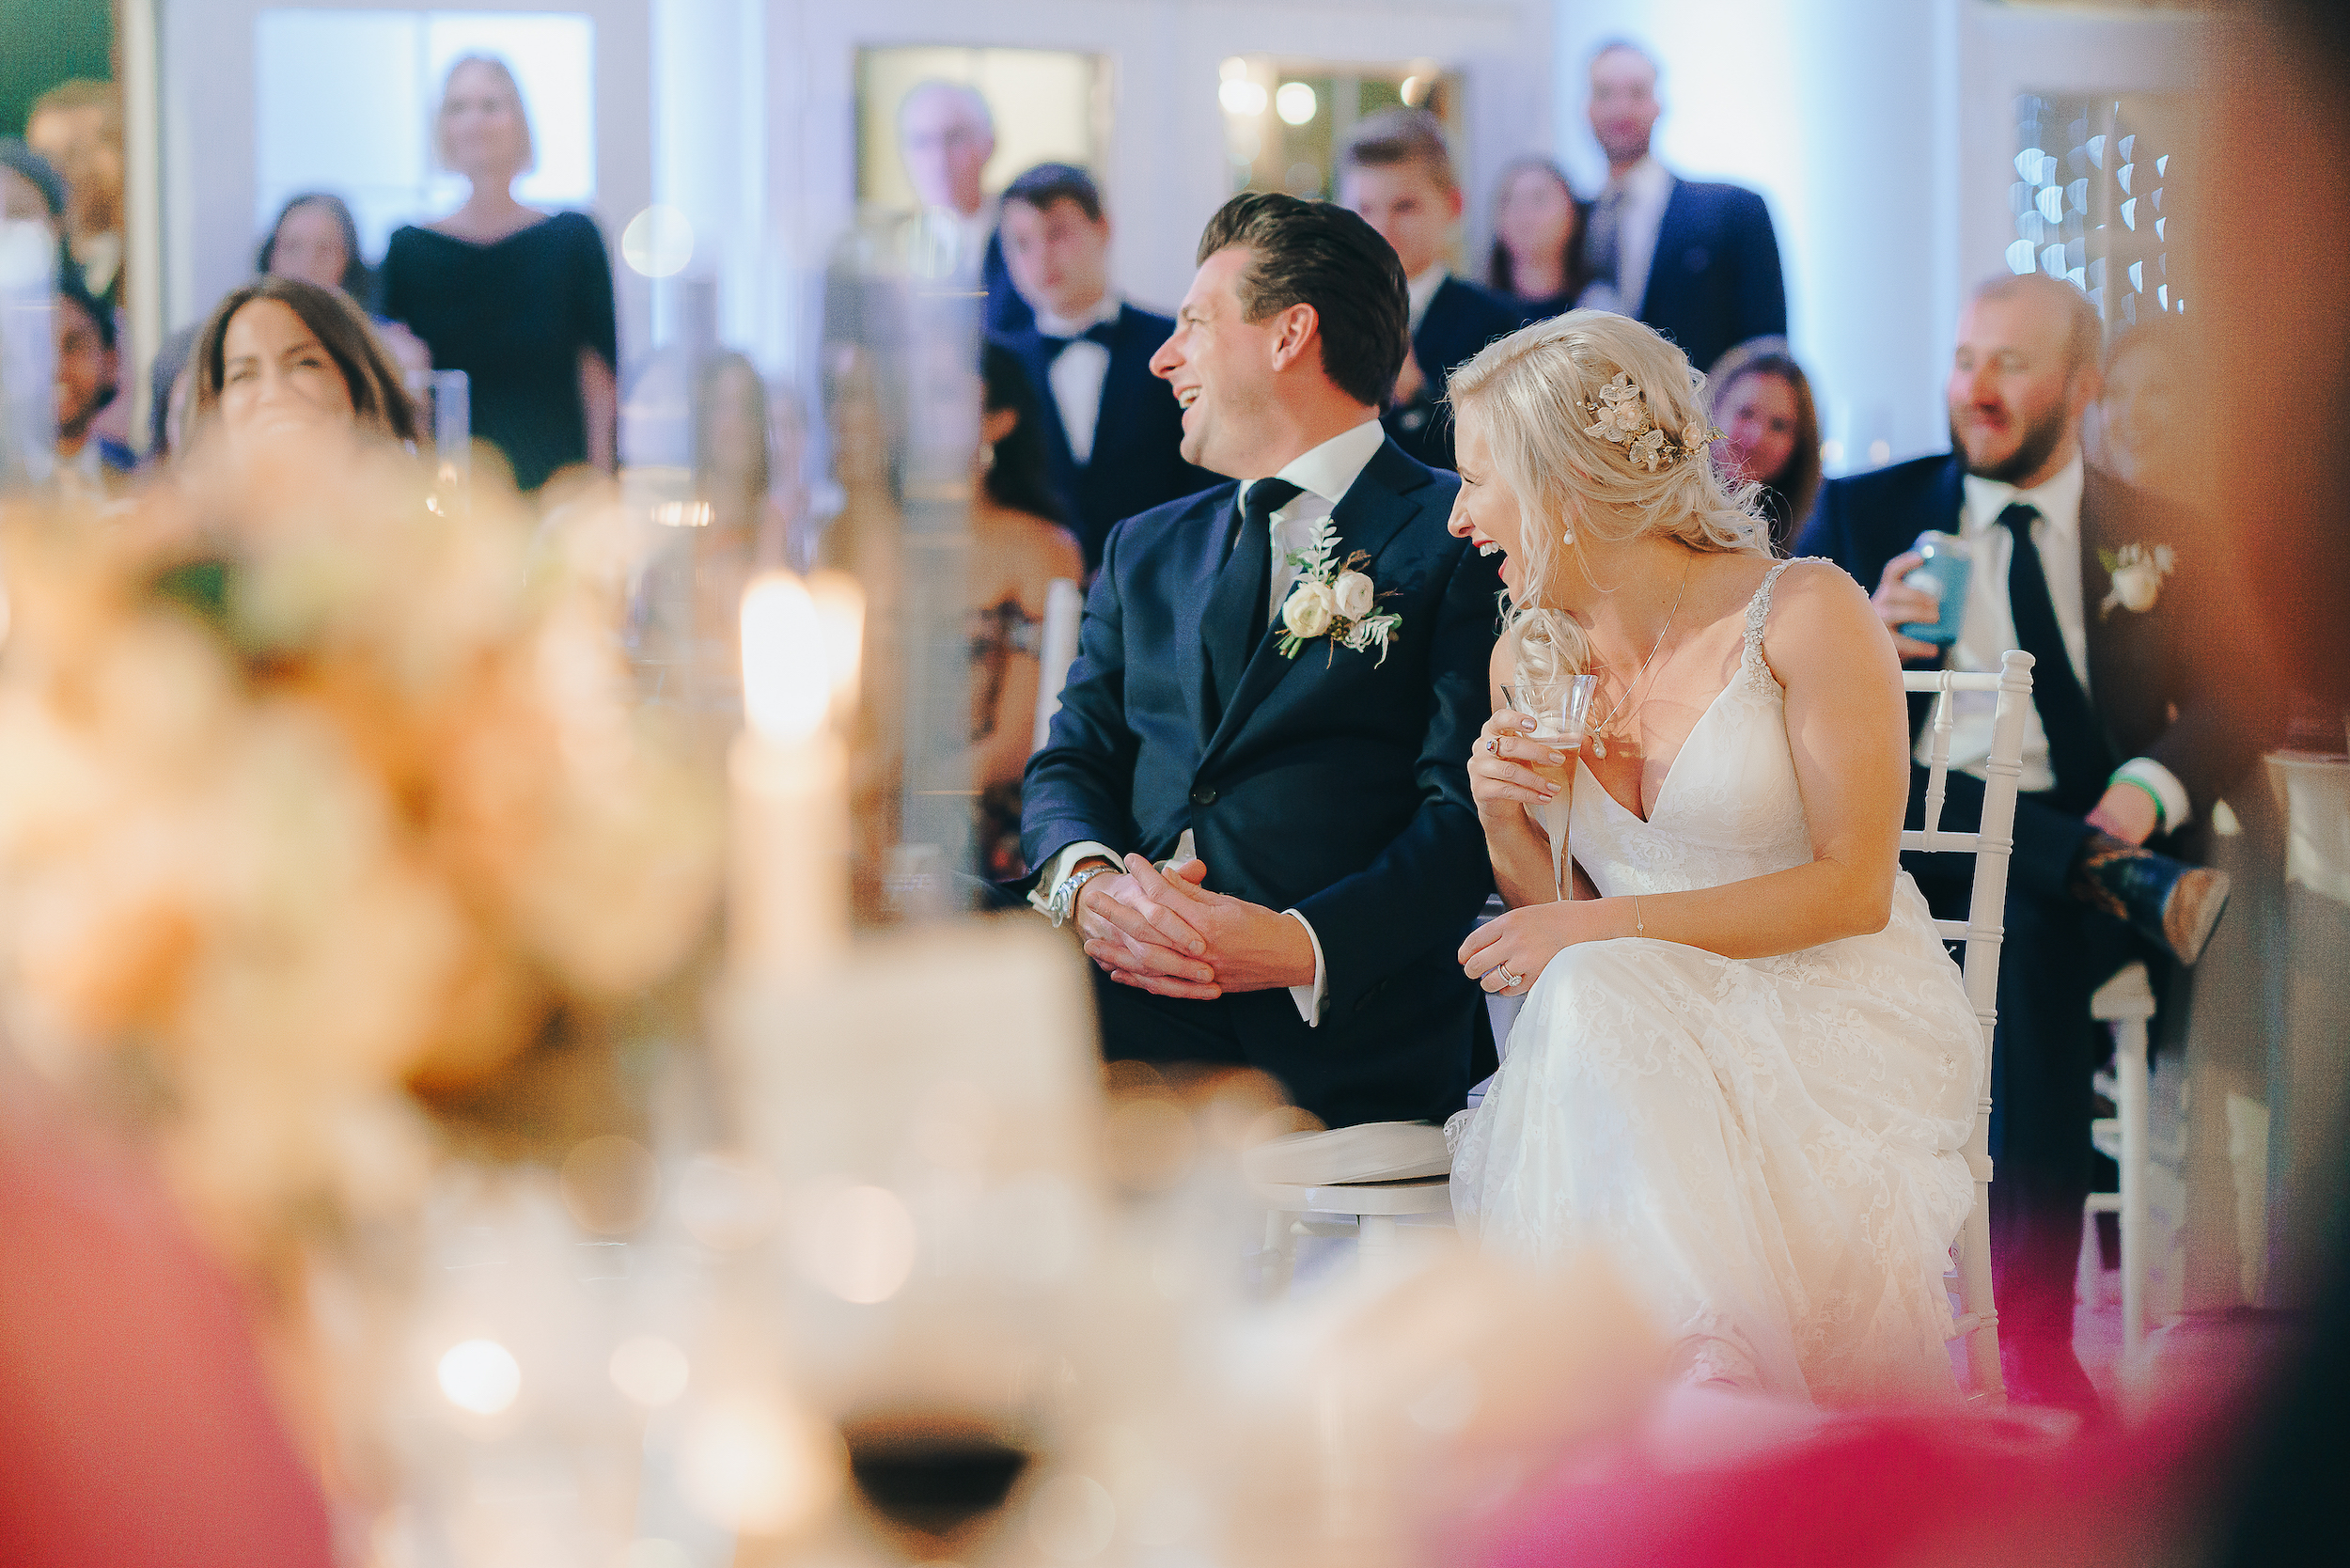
[(324, 797)]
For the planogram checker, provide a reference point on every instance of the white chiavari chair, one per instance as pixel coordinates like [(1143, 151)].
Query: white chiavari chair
[(1977, 1321), (1056, 651)]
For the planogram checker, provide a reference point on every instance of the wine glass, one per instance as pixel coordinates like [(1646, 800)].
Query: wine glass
[(1563, 726)]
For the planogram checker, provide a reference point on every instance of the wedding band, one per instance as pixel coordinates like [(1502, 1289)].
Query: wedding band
[(1509, 981)]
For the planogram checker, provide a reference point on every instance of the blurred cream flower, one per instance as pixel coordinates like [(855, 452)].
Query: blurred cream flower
[(1309, 609)]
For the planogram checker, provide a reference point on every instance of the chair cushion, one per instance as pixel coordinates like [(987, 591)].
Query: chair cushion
[(1372, 1151)]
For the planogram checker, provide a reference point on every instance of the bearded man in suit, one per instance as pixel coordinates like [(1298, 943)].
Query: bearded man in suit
[(1218, 701), (2130, 742)]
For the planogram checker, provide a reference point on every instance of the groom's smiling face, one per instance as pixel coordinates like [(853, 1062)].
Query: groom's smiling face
[(1222, 367)]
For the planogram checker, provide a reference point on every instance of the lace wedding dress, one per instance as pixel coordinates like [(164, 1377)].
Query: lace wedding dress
[(1767, 1148)]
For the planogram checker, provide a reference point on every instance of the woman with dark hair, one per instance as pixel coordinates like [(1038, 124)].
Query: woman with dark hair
[(1020, 543), (1538, 238), (316, 240), (1762, 400), (518, 299), (285, 360)]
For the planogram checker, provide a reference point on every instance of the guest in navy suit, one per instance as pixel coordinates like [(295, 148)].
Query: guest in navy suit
[(1323, 784), (945, 134), (2134, 733), (1112, 433), (1697, 262), (1396, 172)]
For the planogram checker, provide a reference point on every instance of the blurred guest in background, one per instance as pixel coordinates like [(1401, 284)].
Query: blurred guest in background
[(88, 374), (945, 134), (77, 126), (316, 240), (1111, 431), (685, 618), (1018, 547), (1697, 262), (1538, 238), (519, 301), (1762, 403), (30, 190), (1396, 172), (2132, 737), (2146, 432), (282, 363)]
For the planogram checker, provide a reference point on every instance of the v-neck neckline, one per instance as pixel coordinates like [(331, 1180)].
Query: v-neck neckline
[(1673, 768)]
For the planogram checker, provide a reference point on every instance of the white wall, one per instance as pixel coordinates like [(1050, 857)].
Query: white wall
[(792, 136)]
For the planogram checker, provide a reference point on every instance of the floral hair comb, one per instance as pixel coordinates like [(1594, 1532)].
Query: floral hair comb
[(1622, 418)]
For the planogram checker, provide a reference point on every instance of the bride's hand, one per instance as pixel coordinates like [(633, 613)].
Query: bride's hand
[(1508, 954), (1498, 781)]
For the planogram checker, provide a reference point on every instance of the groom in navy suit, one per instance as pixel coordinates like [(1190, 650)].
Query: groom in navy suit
[(1220, 700), (1112, 433)]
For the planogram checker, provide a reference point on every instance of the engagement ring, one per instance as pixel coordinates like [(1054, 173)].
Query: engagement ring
[(1509, 980)]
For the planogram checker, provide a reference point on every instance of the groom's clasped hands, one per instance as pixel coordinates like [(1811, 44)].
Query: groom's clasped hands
[(1163, 932)]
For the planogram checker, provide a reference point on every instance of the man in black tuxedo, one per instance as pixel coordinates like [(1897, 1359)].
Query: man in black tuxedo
[(1698, 263), (946, 135), (1396, 172), (1338, 860), (2129, 745), (1113, 435)]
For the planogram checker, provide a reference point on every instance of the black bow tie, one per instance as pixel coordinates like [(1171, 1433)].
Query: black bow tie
[(1100, 331)]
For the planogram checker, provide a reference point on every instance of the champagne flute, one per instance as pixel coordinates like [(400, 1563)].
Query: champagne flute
[(1563, 728)]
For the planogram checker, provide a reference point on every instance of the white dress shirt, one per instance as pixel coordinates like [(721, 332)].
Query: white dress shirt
[(1987, 629), (1078, 371), (1648, 187), (1323, 476), (1420, 291)]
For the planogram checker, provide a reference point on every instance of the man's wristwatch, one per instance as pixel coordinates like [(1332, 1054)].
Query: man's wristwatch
[(1063, 903)]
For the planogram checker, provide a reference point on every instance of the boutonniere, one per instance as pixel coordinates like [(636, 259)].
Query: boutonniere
[(1333, 599), (2137, 575)]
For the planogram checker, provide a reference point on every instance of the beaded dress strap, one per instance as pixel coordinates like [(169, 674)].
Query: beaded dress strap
[(1758, 611)]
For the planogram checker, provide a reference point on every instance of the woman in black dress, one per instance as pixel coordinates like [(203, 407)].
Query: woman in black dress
[(519, 301)]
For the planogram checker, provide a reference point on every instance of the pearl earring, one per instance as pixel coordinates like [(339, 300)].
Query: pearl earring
[(1566, 536)]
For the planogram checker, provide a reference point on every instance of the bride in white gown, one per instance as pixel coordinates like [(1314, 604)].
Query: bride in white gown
[(1746, 1065)]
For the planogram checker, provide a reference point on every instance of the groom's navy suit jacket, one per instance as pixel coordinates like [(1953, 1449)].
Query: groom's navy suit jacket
[(1332, 783)]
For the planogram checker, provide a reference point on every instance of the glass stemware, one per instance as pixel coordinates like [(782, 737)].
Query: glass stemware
[(1564, 725)]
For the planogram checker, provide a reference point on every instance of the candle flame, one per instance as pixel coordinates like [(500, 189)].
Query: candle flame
[(787, 677)]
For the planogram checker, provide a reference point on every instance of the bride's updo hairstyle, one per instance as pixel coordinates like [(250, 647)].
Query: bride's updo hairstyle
[(1528, 392)]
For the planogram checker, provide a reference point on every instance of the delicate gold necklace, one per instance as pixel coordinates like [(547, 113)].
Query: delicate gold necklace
[(1598, 730)]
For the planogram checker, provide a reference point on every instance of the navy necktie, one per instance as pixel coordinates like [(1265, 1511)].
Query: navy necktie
[(1237, 607), (2077, 753), (1100, 331)]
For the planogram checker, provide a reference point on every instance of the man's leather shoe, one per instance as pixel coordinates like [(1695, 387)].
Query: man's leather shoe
[(2168, 901)]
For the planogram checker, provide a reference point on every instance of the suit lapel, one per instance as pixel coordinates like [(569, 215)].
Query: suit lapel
[(1371, 512), (1122, 384), (1029, 345), (1670, 241), (1203, 557)]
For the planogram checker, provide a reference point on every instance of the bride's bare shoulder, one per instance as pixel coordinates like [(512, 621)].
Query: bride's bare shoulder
[(1821, 623)]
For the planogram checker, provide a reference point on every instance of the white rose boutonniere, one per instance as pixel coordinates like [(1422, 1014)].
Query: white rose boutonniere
[(2135, 574), (1310, 609), (1333, 599)]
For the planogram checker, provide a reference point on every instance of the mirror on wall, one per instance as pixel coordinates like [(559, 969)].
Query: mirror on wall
[(1048, 104)]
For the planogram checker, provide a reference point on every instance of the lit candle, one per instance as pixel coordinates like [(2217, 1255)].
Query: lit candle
[(788, 907)]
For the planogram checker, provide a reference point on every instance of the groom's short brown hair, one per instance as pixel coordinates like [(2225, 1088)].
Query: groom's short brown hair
[(1318, 253)]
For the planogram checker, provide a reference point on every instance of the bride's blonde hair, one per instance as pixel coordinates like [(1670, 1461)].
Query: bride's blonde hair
[(1529, 393)]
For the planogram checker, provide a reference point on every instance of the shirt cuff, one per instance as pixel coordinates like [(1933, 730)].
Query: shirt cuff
[(1056, 872), (1309, 998), (2177, 809)]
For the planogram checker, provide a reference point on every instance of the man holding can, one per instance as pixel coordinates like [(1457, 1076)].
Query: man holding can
[(2130, 744)]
